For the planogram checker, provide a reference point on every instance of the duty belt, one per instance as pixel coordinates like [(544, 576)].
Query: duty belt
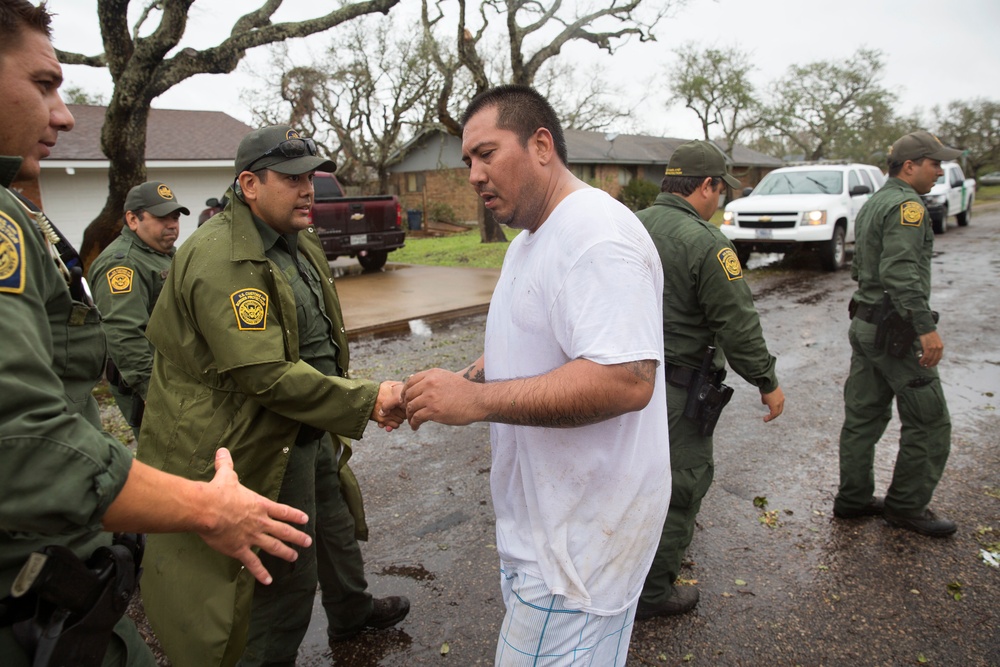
[(868, 312), (682, 376)]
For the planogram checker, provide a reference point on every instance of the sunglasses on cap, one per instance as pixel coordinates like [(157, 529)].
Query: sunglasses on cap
[(289, 148)]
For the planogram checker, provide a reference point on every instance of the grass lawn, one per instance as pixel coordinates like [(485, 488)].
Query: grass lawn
[(463, 249), (991, 192)]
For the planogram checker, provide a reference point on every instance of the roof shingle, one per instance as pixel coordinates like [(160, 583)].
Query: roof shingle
[(172, 134)]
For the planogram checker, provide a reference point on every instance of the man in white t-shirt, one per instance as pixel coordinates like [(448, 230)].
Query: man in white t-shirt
[(571, 379)]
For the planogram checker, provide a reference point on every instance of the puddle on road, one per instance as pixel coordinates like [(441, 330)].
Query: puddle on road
[(343, 269)]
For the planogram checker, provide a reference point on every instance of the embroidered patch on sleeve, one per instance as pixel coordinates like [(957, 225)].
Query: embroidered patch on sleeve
[(251, 309), (120, 280), (11, 256), (730, 264), (911, 213)]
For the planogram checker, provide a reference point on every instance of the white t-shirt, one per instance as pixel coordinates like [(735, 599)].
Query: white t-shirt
[(581, 508)]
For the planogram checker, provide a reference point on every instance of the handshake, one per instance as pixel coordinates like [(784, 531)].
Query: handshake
[(432, 395)]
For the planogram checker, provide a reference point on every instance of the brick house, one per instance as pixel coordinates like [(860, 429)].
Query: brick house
[(431, 174)]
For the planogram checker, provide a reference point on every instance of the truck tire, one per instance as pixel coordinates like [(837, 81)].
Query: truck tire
[(833, 254), (965, 216), (374, 260), (940, 223), (742, 253)]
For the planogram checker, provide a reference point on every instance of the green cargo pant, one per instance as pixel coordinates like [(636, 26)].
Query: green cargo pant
[(691, 471), (281, 612), (925, 437)]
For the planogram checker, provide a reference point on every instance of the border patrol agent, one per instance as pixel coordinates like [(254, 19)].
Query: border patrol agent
[(65, 580), (251, 354), (895, 348), (706, 303), (127, 278)]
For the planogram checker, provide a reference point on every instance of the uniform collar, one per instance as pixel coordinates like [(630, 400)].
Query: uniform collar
[(9, 166), (900, 183), (246, 242), (676, 201), (134, 238)]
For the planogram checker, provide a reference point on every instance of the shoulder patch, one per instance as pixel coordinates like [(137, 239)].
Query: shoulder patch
[(250, 306), (730, 264), (911, 213), (11, 255), (120, 280)]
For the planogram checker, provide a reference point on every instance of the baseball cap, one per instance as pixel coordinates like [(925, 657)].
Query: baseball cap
[(155, 197), (281, 149), (700, 158), (920, 144)]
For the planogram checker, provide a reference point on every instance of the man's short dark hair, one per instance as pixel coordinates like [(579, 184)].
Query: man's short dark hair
[(522, 110), (896, 167), (685, 185), (16, 15)]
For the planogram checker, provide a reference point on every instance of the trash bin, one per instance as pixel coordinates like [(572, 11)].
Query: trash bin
[(414, 217)]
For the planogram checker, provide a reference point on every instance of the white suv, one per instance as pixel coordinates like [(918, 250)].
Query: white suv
[(812, 206)]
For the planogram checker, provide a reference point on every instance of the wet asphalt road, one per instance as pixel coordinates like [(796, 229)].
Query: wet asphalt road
[(809, 590)]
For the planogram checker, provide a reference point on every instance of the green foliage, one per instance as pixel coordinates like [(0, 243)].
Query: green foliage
[(715, 85), (453, 250), (834, 109), (441, 211), (973, 125), (77, 95), (639, 194)]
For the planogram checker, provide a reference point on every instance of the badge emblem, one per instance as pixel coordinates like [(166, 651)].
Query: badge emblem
[(164, 192), (250, 306), (120, 280), (11, 256), (730, 264), (911, 213), (291, 134)]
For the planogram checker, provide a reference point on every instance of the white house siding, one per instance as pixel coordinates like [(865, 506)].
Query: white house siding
[(73, 200)]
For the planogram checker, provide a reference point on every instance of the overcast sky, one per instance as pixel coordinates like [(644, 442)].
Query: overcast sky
[(934, 51)]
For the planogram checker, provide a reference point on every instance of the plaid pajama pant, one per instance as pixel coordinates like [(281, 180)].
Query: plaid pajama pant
[(539, 631)]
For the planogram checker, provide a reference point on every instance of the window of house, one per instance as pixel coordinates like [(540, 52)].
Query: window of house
[(625, 175), (414, 182), (585, 172)]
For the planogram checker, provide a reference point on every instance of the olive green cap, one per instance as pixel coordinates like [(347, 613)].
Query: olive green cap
[(259, 142), (700, 159), (920, 144), (155, 197)]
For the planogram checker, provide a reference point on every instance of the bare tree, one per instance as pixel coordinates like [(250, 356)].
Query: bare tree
[(588, 102), (142, 68), (714, 84), (375, 88), (535, 32)]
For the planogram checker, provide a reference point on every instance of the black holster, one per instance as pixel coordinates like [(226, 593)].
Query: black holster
[(894, 333), (113, 376), (62, 609), (707, 396)]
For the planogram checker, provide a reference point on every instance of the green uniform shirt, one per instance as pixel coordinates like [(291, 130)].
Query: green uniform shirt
[(126, 280), (59, 471), (892, 253), (316, 345), (705, 299)]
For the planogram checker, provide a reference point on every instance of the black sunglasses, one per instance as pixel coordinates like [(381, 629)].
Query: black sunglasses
[(288, 148)]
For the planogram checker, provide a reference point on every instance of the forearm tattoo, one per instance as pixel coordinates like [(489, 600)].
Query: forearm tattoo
[(473, 375)]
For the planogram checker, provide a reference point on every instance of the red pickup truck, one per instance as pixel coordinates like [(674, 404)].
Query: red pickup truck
[(368, 228)]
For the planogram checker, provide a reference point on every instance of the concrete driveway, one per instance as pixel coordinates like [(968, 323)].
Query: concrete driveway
[(399, 293)]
